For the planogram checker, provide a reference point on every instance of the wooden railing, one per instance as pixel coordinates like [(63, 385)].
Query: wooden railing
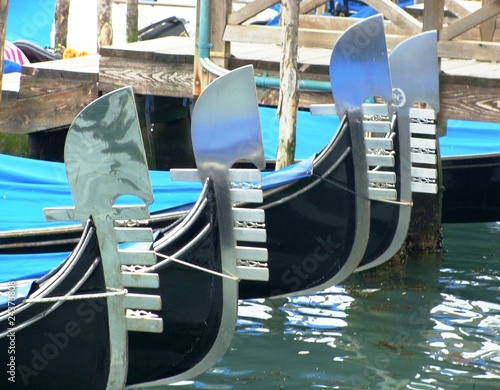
[(466, 29)]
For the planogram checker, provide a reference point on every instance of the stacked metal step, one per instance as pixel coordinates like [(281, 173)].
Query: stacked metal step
[(248, 223), (379, 141), (424, 155)]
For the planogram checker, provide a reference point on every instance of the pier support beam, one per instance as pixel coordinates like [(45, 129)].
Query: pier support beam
[(104, 23), (289, 88), (4, 6), (61, 24)]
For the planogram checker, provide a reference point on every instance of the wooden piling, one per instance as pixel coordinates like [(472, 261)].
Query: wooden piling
[(288, 96), (61, 24), (104, 24), (132, 20), (4, 6)]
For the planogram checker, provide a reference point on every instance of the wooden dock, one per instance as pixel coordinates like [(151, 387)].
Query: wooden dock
[(47, 96)]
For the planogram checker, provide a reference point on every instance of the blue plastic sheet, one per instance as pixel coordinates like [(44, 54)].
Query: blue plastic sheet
[(28, 186), (468, 138), (313, 132)]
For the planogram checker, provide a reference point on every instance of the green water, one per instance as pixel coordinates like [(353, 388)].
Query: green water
[(432, 323)]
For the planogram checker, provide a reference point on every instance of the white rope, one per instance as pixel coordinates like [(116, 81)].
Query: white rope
[(197, 267), (111, 293), (398, 202)]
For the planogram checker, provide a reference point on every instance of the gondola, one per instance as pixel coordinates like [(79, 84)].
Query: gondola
[(332, 248), (336, 232), (100, 320), (319, 225), (414, 78), (411, 134)]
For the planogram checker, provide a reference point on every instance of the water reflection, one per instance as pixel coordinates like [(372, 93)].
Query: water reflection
[(432, 323)]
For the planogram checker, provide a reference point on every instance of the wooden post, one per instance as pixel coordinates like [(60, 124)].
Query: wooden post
[(487, 29), (201, 76), (104, 25), (4, 7), (220, 51), (132, 20), (433, 15), (289, 95), (425, 234), (61, 24)]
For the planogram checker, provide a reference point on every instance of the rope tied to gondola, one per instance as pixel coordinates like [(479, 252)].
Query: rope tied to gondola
[(197, 267), (111, 292)]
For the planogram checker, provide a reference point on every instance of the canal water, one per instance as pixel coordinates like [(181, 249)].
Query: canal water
[(431, 323)]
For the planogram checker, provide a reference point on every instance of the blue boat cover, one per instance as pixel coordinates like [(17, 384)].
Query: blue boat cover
[(27, 186), (468, 138)]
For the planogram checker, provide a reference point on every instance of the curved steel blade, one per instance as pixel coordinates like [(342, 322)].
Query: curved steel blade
[(225, 128), (359, 67), (414, 74), (225, 125), (415, 71), (104, 154)]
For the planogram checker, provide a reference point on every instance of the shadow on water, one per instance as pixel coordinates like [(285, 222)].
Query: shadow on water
[(430, 323)]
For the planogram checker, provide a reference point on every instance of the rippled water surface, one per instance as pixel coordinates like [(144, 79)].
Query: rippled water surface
[(432, 323)]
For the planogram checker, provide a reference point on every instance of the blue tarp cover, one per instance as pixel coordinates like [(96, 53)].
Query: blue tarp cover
[(27, 186), (468, 138)]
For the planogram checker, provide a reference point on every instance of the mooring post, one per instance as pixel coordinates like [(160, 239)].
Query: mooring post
[(487, 29), (288, 96), (4, 6), (425, 233), (104, 24), (132, 20), (61, 24)]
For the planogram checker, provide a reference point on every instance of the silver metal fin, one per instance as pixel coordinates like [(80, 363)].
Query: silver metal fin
[(361, 51), (105, 160), (416, 80)]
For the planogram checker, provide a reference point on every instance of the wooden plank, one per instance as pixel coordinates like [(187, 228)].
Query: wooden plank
[(466, 23), (43, 112), (86, 64), (337, 23), (165, 3), (307, 37), (469, 98), (481, 51), (474, 68), (395, 14), (250, 10), (181, 48), (40, 86), (147, 77)]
